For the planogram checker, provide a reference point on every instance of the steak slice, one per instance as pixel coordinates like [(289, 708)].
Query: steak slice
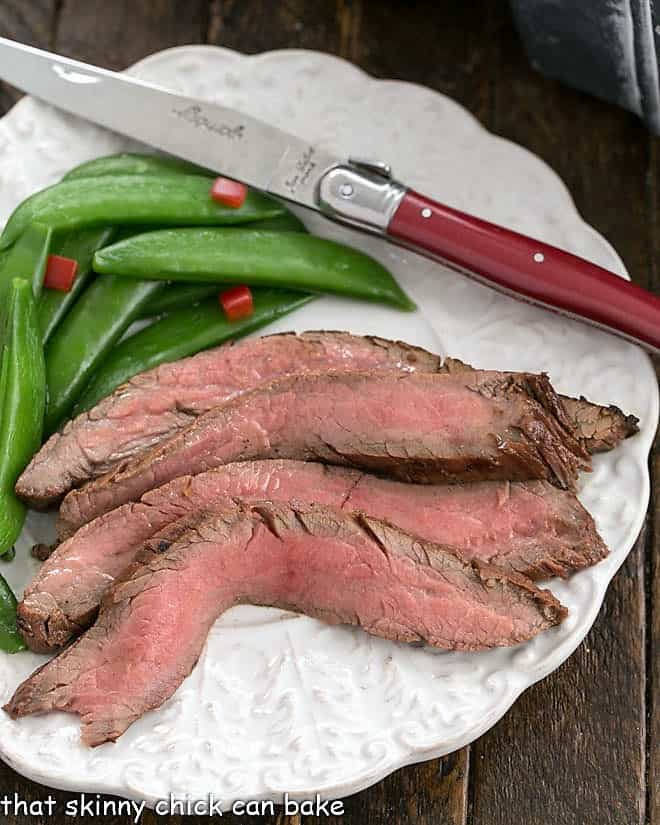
[(426, 428), (154, 405), (527, 527), (599, 429), (336, 567)]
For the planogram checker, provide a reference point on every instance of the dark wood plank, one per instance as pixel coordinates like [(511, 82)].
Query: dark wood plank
[(33, 795), (653, 646), (446, 46), (32, 22), (261, 25), (653, 641), (116, 34), (431, 793), (653, 542), (574, 744)]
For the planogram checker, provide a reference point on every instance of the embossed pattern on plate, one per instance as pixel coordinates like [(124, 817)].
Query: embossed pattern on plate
[(284, 703)]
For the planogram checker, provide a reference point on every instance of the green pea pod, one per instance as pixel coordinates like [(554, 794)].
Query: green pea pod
[(184, 332), (23, 386), (287, 222), (80, 244), (93, 326), (135, 163), (289, 260), (10, 638), (179, 296), (132, 199), (27, 259)]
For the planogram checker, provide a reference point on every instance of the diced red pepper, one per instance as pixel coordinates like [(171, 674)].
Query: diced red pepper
[(237, 302), (60, 273), (229, 192)]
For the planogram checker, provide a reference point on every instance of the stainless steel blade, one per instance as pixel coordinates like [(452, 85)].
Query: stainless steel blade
[(208, 134)]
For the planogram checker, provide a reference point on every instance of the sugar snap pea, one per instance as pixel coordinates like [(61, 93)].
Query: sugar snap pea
[(27, 259), (287, 222), (10, 638), (179, 296), (135, 163), (79, 244), (94, 324), (22, 402), (183, 333), (90, 330), (132, 199), (290, 260)]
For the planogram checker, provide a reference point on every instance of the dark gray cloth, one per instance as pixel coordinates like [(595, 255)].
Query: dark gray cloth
[(608, 48)]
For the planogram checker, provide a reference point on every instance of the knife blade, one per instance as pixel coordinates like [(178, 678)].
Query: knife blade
[(360, 193), (210, 135)]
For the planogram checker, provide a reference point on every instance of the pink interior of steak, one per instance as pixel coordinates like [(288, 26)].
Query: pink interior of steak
[(414, 427), (352, 570), (531, 527), (155, 404)]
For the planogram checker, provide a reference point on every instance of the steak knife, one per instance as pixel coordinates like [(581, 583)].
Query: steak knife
[(360, 193)]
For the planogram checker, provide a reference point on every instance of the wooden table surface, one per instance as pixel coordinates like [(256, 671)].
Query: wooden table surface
[(582, 747)]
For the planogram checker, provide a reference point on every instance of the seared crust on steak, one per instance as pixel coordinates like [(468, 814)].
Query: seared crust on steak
[(598, 428)]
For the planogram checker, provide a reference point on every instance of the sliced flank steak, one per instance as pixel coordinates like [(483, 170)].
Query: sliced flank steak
[(156, 404), (343, 569), (415, 427), (529, 527), (598, 428)]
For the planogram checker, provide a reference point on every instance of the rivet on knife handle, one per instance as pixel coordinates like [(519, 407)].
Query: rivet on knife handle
[(361, 194), (527, 268)]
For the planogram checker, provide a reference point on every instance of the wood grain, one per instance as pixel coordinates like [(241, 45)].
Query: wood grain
[(118, 33), (653, 535), (431, 793), (30, 22), (574, 745), (447, 46), (260, 25), (575, 748)]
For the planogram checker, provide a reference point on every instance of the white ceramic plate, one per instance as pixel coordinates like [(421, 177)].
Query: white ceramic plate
[(286, 704)]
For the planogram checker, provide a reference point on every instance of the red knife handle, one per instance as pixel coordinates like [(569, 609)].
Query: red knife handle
[(527, 268)]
